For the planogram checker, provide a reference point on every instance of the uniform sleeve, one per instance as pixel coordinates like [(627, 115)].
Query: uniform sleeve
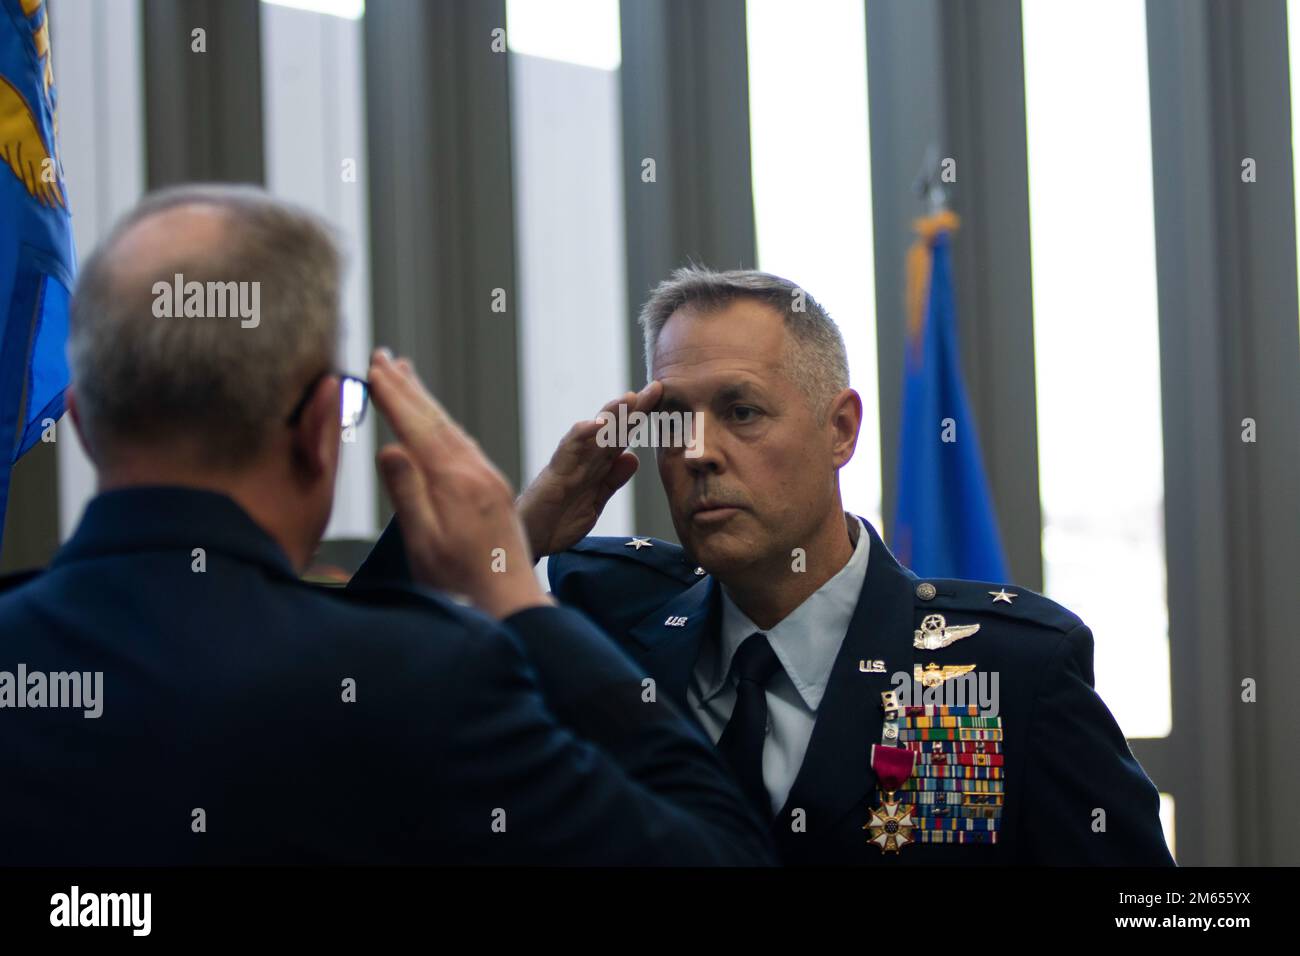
[(1078, 768), (552, 755)]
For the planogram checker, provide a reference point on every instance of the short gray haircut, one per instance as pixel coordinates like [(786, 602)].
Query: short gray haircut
[(816, 362), (144, 380)]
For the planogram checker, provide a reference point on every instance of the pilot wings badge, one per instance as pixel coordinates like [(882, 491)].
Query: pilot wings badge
[(935, 633), (933, 675)]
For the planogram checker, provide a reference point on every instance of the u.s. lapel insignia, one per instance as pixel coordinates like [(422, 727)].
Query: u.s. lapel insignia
[(935, 633), (891, 825), (932, 675), (871, 667)]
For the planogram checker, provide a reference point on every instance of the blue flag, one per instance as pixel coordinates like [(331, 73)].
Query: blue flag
[(37, 258), (944, 526)]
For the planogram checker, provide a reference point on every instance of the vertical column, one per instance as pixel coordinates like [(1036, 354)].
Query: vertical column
[(1230, 351), (441, 207), (203, 91), (686, 165)]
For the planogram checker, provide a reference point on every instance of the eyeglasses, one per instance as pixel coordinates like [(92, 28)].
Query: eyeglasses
[(354, 398)]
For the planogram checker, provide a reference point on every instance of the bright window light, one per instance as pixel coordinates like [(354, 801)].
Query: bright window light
[(575, 31), (349, 9), (1096, 342), (1167, 822), (1293, 37), (811, 165)]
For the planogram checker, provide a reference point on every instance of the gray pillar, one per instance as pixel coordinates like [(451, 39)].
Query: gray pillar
[(1230, 350), (203, 110), (951, 74), (686, 107), (441, 208)]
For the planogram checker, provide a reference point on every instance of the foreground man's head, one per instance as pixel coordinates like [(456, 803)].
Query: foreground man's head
[(203, 324), (762, 365)]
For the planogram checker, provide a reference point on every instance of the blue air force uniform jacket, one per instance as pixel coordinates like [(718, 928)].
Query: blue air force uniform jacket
[(1049, 780), (247, 717)]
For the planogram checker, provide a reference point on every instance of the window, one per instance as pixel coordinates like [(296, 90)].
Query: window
[(1293, 49), (1167, 822), (100, 74), (811, 162), (585, 32), (348, 9), (1101, 468), (315, 134)]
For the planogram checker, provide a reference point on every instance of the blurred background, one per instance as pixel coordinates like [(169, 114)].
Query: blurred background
[(511, 177)]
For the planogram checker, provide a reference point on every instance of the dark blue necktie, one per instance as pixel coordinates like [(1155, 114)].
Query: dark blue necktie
[(742, 740)]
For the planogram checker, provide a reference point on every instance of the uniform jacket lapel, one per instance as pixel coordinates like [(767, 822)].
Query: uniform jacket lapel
[(836, 771), (667, 641)]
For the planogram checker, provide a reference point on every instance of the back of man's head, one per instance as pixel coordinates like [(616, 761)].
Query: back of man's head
[(197, 324)]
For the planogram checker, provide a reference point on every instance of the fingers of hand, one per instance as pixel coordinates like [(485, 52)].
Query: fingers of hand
[(406, 486), (417, 418), (579, 450), (650, 396), (627, 398), (619, 474), (623, 468), (398, 391), (389, 396)]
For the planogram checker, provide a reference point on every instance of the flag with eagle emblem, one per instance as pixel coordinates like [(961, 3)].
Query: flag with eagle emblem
[(37, 258)]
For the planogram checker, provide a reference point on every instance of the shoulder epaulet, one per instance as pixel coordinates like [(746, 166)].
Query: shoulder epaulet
[(1003, 600), (656, 553)]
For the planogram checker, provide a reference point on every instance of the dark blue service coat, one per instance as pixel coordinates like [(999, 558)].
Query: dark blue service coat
[(1069, 791), (248, 717)]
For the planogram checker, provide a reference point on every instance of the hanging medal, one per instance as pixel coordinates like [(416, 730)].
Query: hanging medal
[(891, 824)]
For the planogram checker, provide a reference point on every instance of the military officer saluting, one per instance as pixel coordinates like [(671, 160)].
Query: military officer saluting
[(1045, 778), (872, 716)]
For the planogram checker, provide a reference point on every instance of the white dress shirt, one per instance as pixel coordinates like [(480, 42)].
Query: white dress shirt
[(806, 642)]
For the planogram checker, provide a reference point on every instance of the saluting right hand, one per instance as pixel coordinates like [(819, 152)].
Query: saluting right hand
[(562, 504), (459, 523)]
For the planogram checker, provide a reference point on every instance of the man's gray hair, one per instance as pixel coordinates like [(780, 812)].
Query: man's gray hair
[(219, 384), (816, 362)]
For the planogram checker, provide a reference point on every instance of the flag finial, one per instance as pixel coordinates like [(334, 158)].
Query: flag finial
[(929, 183)]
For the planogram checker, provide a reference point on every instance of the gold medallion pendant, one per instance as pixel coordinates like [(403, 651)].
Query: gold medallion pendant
[(891, 824)]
